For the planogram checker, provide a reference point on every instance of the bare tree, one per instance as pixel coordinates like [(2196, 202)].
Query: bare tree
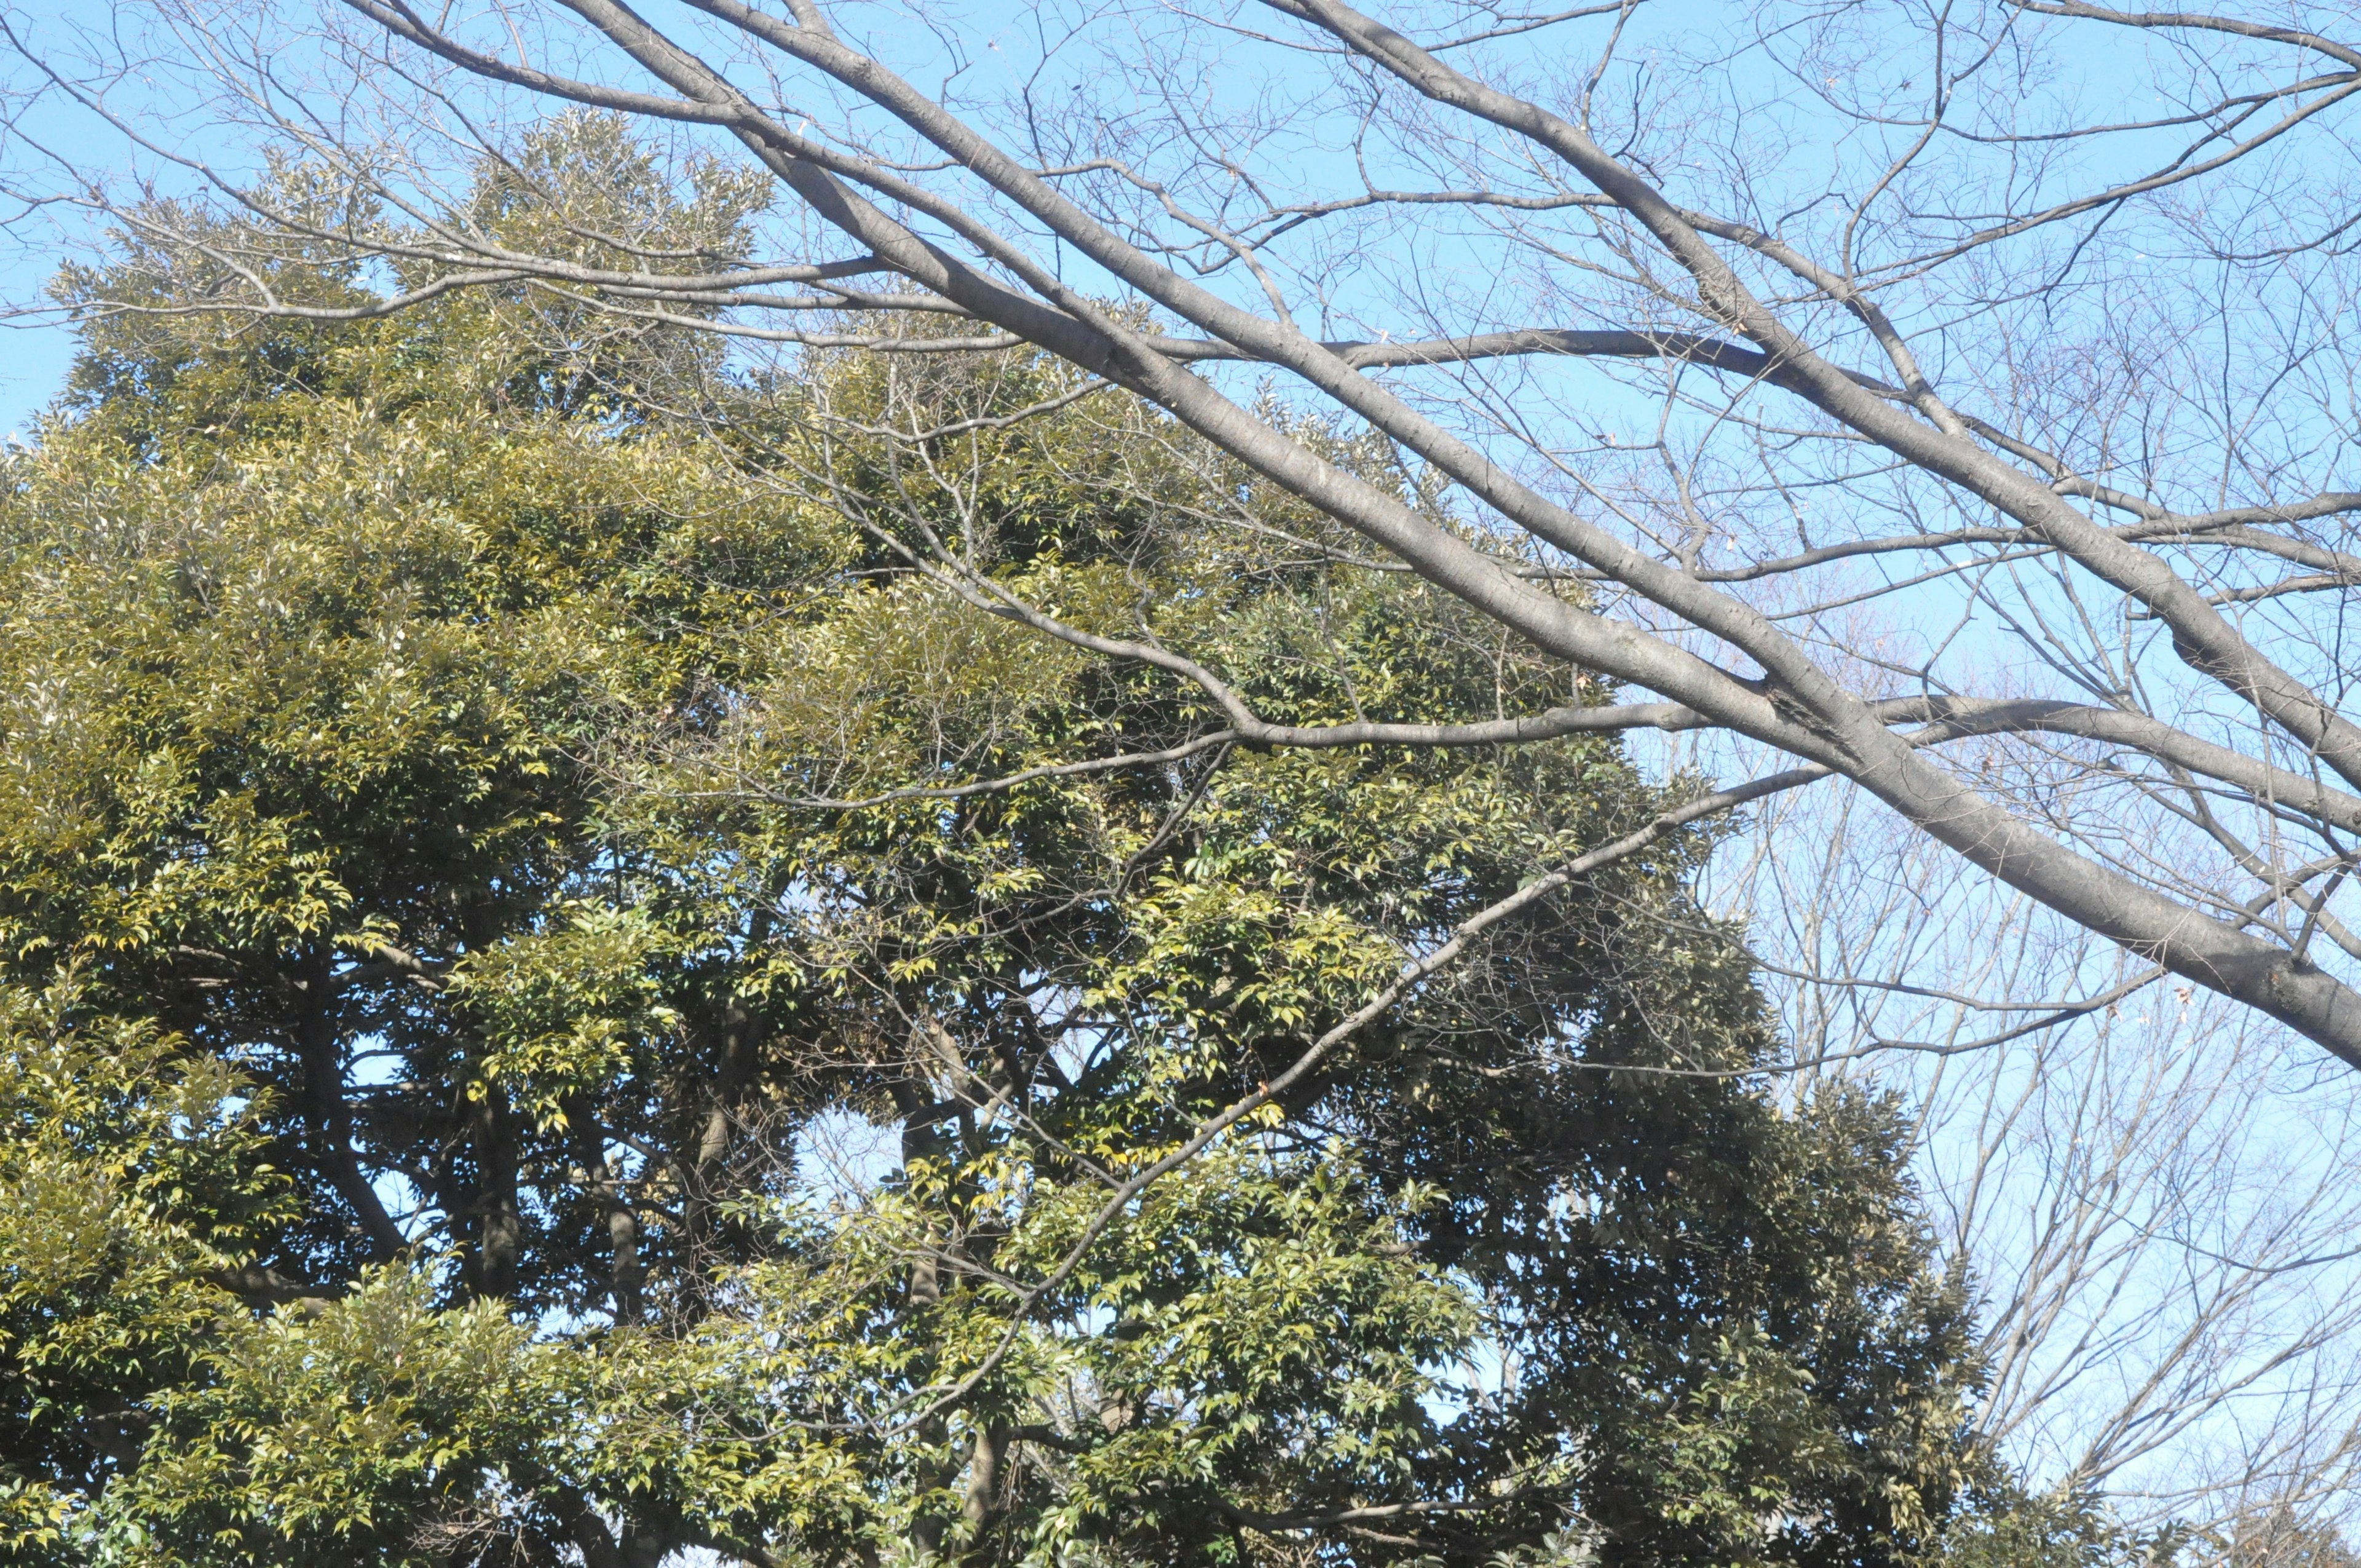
[(2149, 1188), (1870, 311)]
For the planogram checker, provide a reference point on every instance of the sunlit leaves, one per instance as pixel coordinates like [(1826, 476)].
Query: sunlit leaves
[(482, 757)]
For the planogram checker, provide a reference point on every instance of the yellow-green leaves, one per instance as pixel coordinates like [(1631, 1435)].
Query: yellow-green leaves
[(570, 1008), (133, 1178), (355, 1428), (697, 988)]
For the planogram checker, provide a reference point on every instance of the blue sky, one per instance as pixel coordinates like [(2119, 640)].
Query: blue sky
[(34, 354), (33, 361)]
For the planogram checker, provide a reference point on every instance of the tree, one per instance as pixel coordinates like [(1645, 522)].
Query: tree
[(465, 907), (2153, 1191), (1951, 322)]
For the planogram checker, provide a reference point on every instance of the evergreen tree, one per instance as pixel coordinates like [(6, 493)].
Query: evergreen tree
[(564, 996)]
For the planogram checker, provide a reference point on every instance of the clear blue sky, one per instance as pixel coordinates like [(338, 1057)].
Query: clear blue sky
[(35, 130), (35, 352), (33, 362)]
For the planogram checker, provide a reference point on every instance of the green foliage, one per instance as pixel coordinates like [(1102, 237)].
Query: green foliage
[(2012, 1528), (555, 1063), (356, 1431), (134, 1177)]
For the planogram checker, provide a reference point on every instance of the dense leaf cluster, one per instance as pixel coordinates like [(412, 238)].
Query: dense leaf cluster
[(514, 1048)]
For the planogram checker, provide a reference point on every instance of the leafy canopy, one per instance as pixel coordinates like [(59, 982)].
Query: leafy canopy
[(520, 1041)]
